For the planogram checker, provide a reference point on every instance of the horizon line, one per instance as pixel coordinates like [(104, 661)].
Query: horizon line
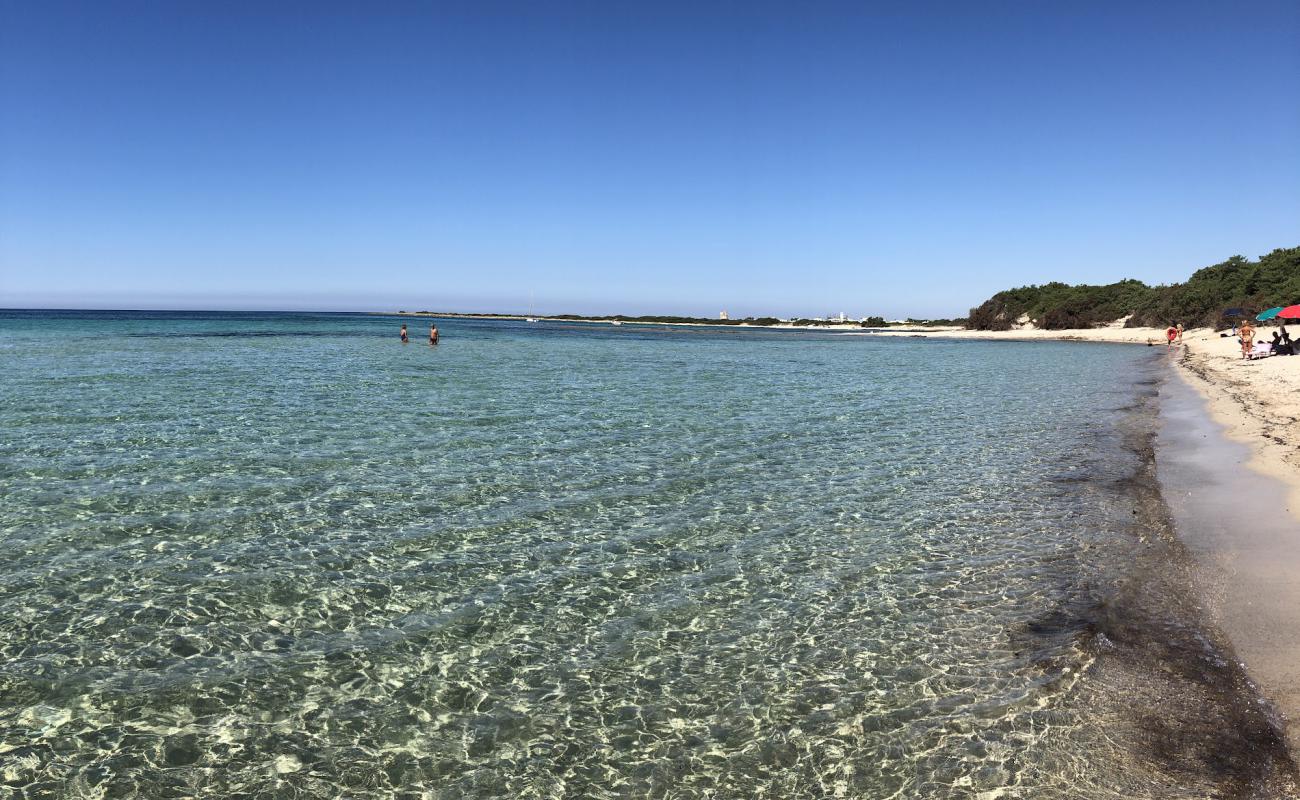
[(425, 312)]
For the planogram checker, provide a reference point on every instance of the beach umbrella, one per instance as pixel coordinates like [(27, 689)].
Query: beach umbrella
[(1267, 315), (1290, 312)]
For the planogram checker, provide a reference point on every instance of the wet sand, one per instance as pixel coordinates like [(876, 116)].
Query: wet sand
[(1258, 403), (1244, 544)]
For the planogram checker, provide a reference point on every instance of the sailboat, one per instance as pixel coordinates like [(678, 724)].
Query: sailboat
[(531, 299)]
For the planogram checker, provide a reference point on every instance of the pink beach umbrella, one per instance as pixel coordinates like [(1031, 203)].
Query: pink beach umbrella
[(1290, 312)]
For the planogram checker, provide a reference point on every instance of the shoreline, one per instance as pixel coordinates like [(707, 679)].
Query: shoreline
[(829, 326), (1257, 402), (1159, 625), (1249, 399), (1220, 413), (1244, 565)]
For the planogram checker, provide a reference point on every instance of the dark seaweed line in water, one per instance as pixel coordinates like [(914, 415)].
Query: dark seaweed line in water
[(1149, 628)]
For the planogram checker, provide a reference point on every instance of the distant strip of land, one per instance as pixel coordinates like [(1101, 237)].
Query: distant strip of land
[(747, 322)]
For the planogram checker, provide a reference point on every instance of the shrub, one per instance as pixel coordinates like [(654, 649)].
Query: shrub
[(1273, 280)]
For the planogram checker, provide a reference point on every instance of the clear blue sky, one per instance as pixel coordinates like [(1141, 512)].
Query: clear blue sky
[(795, 158)]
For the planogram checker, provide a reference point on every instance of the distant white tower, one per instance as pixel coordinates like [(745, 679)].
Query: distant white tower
[(723, 315)]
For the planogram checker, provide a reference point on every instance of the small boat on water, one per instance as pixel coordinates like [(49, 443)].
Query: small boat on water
[(616, 322)]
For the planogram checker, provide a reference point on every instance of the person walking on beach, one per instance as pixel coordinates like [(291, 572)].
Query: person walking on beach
[(1180, 333), (433, 334), (1170, 334), (404, 338), (1247, 334)]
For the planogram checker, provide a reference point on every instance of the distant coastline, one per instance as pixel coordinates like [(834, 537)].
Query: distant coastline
[(870, 324)]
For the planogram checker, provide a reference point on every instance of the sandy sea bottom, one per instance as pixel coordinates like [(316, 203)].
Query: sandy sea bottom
[(286, 556)]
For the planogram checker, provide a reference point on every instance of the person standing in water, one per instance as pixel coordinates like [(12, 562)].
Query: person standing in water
[(404, 339), (433, 334)]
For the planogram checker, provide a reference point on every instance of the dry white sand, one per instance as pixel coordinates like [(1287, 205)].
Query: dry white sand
[(1257, 401)]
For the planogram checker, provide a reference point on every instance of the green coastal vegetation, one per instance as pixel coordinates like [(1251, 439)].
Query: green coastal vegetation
[(1252, 286), (1200, 301)]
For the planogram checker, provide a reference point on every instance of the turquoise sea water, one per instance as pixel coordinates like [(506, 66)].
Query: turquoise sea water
[(260, 555)]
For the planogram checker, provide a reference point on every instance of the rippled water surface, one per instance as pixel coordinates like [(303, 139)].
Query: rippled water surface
[(286, 556)]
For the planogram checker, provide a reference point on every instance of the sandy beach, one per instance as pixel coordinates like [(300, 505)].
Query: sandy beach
[(1257, 401), (1242, 560)]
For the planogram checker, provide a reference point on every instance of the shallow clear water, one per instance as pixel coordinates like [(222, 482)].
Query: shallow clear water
[(286, 556)]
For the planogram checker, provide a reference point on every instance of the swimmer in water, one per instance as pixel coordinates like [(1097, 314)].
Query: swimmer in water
[(404, 339), (433, 334)]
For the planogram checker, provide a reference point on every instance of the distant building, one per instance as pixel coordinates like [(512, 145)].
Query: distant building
[(723, 315)]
